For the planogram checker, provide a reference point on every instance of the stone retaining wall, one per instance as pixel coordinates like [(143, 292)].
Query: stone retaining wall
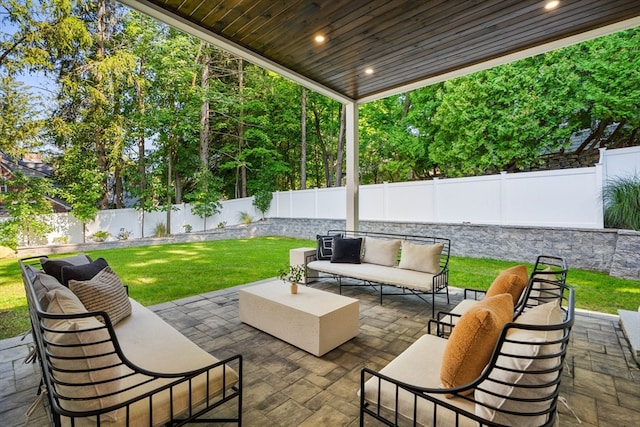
[(614, 251)]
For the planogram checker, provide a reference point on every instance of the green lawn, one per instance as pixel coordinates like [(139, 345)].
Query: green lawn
[(162, 273)]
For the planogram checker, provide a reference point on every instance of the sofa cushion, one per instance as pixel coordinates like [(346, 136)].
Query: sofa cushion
[(325, 246), (381, 251), (472, 341), (347, 250), (82, 272), (53, 267), (510, 281), (509, 380), (425, 258), (83, 358), (43, 283), (104, 292)]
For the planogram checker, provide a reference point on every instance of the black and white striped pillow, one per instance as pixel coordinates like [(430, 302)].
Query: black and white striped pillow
[(104, 292)]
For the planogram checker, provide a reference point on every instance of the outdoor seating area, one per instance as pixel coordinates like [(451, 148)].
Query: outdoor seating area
[(284, 385)]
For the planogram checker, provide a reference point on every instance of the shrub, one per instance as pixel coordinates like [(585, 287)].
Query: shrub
[(187, 228), (61, 240), (262, 200), (100, 236), (160, 230), (245, 218), (124, 235), (222, 224), (622, 203)]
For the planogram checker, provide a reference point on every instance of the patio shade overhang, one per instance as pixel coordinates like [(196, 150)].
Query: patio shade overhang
[(373, 48)]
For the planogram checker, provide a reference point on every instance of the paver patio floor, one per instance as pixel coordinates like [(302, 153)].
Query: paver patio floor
[(285, 386)]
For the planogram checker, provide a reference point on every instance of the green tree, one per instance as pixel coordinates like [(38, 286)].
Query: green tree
[(204, 199), (262, 200), (26, 202)]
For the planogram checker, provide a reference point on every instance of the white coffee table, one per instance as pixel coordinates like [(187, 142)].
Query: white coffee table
[(313, 320)]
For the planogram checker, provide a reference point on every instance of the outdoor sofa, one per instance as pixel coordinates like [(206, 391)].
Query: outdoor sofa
[(115, 362), (500, 366), (410, 264)]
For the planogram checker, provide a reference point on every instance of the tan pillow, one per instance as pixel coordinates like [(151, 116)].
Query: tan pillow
[(425, 258), (77, 361), (104, 292), (472, 341), (511, 281), (522, 377), (381, 252)]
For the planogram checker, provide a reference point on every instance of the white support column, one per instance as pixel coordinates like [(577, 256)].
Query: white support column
[(352, 156)]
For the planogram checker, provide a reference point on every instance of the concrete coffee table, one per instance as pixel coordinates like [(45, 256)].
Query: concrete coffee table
[(313, 320)]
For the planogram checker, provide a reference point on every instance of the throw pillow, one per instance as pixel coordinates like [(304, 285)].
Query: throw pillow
[(472, 341), (325, 246), (82, 357), (346, 250), (425, 258), (42, 284), (511, 281), (381, 251), (104, 292), (82, 272), (53, 267), (528, 375)]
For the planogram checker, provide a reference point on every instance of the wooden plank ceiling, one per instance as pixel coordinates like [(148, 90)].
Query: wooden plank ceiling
[(402, 41)]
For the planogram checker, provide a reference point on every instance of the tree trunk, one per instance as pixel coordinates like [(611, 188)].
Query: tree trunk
[(341, 144), (169, 173), (98, 133), (243, 167), (323, 148), (204, 111), (303, 141)]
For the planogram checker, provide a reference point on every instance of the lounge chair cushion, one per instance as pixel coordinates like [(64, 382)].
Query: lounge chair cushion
[(104, 292), (425, 258), (512, 281), (472, 341), (381, 251), (529, 360)]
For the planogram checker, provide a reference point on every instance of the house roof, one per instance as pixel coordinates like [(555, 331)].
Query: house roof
[(406, 43), (30, 168)]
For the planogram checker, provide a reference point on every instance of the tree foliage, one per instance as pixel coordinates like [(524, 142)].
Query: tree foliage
[(149, 116)]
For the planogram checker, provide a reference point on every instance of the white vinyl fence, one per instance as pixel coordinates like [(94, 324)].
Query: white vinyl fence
[(561, 198)]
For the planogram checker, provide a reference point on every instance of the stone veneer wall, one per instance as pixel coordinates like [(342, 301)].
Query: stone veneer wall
[(614, 251)]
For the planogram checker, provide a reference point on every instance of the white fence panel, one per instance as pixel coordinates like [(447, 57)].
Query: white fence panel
[(331, 203), (473, 200), (303, 204), (561, 198), (419, 194), (621, 162), (372, 202)]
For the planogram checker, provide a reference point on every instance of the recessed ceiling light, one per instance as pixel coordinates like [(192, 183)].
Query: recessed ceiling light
[(319, 38), (550, 5), (368, 71)]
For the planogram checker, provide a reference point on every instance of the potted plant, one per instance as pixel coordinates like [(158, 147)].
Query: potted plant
[(294, 275)]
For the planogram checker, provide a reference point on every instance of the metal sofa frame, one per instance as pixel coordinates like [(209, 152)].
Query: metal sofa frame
[(60, 393), (440, 283)]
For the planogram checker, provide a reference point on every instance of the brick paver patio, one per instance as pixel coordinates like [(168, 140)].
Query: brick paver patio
[(285, 386)]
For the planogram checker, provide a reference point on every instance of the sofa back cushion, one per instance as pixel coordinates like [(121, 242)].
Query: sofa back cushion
[(381, 251), (82, 357), (53, 267), (425, 258)]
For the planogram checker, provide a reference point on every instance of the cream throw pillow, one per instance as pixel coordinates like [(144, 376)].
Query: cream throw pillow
[(425, 258), (104, 292), (472, 341), (381, 251), (545, 314)]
